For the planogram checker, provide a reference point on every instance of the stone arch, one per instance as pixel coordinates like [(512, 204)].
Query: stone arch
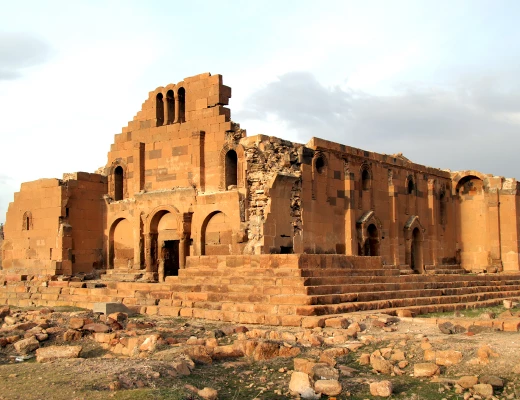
[(27, 221), (117, 180), (225, 165), (121, 244), (216, 234), (369, 230), (164, 226), (414, 239)]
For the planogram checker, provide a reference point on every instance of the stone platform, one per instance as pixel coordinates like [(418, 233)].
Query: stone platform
[(273, 289)]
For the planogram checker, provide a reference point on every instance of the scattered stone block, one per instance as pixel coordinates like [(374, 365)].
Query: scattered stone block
[(110, 308), (381, 389), (483, 389), (425, 370), (51, 353), (299, 383), (25, 346), (328, 387)]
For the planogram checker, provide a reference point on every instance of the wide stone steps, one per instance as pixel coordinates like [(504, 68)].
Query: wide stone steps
[(402, 286), (382, 303)]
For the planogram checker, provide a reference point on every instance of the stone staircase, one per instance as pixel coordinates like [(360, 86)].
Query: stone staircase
[(274, 289)]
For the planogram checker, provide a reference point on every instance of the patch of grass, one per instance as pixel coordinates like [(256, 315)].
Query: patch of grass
[(468, 313)]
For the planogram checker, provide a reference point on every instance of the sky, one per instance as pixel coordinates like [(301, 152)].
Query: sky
[(438, 81)]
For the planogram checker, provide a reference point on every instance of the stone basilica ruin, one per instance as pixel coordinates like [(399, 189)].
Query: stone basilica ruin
[(191, 217)]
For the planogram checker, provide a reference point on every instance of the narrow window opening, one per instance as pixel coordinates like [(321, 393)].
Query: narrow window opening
[(411, 186), (159, 109), (320, 165), (27, 221), (170, 106), (181, 94), (365, 180), (66, 212), (442, 208), (231, 168), (118, 183)]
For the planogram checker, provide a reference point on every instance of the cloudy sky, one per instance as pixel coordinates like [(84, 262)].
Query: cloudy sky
[(438, 81)]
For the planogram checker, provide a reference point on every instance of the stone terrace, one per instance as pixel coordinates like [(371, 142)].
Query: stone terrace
[(290, 290)]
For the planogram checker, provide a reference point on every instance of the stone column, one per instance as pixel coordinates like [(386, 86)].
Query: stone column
[(182, 252), (148, 254), (433, 222), (176, 109)]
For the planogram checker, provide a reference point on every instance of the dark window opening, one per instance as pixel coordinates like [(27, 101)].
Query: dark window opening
[(118, 183), (320, 165), (442, 208), (411, 186), (286, 250), (159, 109), (231, 168), (365, 180), (27, 221), (181, 95), (170, 107)]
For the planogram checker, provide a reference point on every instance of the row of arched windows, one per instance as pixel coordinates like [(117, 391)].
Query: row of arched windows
[(230, 175), (174, 110)]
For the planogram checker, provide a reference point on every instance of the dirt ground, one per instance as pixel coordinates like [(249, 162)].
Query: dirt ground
[(100, 373)]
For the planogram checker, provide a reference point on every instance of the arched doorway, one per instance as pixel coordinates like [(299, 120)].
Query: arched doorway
[(372, 243), (121, 245), (216, 235), (416, 254), (165, 244)]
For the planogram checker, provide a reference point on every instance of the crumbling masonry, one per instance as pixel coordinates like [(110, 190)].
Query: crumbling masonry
[(192, 217)]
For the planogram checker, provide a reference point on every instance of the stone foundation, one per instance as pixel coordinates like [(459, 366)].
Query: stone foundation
[(286, 290)]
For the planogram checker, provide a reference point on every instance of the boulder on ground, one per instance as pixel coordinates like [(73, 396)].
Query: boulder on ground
[(266, 351), (448, 357), (25, 346), (380, 364), (51, 353), (425, 369), (208, 393), (483, 389), (329, 387), (381, 389), (299, 383), (467, 382)]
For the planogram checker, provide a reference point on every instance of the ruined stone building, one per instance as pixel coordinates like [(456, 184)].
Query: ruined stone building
[(183, 180)]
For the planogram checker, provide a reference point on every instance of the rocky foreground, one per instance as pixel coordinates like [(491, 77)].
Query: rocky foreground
[(353, 356)]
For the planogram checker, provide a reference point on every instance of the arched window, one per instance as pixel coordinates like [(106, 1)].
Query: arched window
[(170, 107), (320, 165), (27, 221), (411, 187), (181, 95), (118, 183), (365, 180), (231, 168), (159, 109)]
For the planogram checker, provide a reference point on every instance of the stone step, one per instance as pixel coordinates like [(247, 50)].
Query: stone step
[(406, 294), (316, 281), (346, 287), (383, 304)]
